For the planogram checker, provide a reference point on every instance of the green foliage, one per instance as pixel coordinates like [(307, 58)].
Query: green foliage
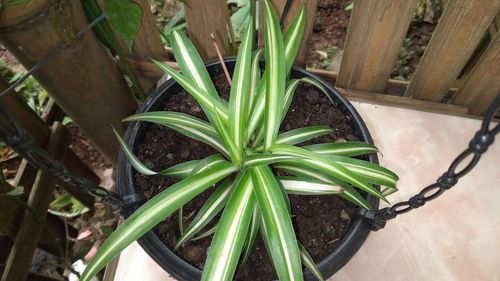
[(125, 18), (11, 3), (67, 206), (350, 6), (327, 55), (31, 91), (251, 197)]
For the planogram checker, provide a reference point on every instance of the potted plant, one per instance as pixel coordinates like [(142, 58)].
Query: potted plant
[(255, 166)]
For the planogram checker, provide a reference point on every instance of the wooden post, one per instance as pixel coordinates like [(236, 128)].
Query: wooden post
[(82, 77), (482, 85), (25, 244), (310, 6), (147, 43), (459, 31), (375, 34), (41, 132), (204, 17)]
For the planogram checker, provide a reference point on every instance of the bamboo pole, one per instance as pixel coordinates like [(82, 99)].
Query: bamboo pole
[(81, 78)]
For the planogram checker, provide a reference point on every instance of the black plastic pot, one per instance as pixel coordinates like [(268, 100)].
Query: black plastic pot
[(182, 270)]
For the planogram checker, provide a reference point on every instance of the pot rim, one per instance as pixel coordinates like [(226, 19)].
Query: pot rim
[(176, 266)]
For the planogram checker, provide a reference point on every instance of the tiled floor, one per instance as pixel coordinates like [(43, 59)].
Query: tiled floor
[(455, 237)]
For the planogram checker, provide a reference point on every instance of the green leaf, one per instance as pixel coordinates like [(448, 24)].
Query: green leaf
[(210, 104), (206, 233), (326, 165), (235, 153), (152, 212), (208, 211), (181, 170), (349, 193), (255, 79), (275, 74), (190, 63), (134, 161), (207, 163), (173, 24), (61, 201), (265, 159), (279, 232), (389, 190), (240, 90), (185, 124), (371, 172), (252, 233), (232, 229), (168, 118), (302, 134), (304, 186), (309, 263), (240, 19), (18, 190), (125, 17), (349, 148), (293, 38)]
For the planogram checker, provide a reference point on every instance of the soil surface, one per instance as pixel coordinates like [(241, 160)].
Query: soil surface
[(320, 221)]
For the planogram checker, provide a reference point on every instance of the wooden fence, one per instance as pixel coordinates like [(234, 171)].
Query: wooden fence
[(461, 63)]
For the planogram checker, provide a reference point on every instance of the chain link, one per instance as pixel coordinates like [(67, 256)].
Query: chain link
[(22, 142), (479, 144)]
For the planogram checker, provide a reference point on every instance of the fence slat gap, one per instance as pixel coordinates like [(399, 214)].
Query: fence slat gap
[(459, 31), (483, 83)]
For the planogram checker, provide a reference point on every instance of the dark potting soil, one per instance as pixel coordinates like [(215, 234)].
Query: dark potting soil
[(320, 221)]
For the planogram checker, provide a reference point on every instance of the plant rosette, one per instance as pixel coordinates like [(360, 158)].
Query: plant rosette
[(252, 198)]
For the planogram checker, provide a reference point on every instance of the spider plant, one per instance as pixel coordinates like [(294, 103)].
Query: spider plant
[(251, 197)]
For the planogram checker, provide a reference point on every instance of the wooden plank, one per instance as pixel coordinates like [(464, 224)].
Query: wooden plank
[(82, 78), (204, 17), (33, 276), (25, 244), (403, 102), (392, 96), (40, 131), (53, 236), (459, 31), (375, 34), (310, 6), (147, 43), (483, 83)]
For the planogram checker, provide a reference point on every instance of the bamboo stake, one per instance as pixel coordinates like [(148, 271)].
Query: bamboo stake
[(82, 78)]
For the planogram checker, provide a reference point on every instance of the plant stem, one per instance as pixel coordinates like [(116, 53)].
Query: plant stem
[(226, 72)]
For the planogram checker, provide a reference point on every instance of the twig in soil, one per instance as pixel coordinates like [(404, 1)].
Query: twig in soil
[(217, 50)]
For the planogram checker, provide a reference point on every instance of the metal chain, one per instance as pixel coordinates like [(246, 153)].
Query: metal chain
[(477, 147), (21, 141)]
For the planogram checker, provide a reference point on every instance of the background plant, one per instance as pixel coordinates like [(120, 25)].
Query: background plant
[(245, 132)]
